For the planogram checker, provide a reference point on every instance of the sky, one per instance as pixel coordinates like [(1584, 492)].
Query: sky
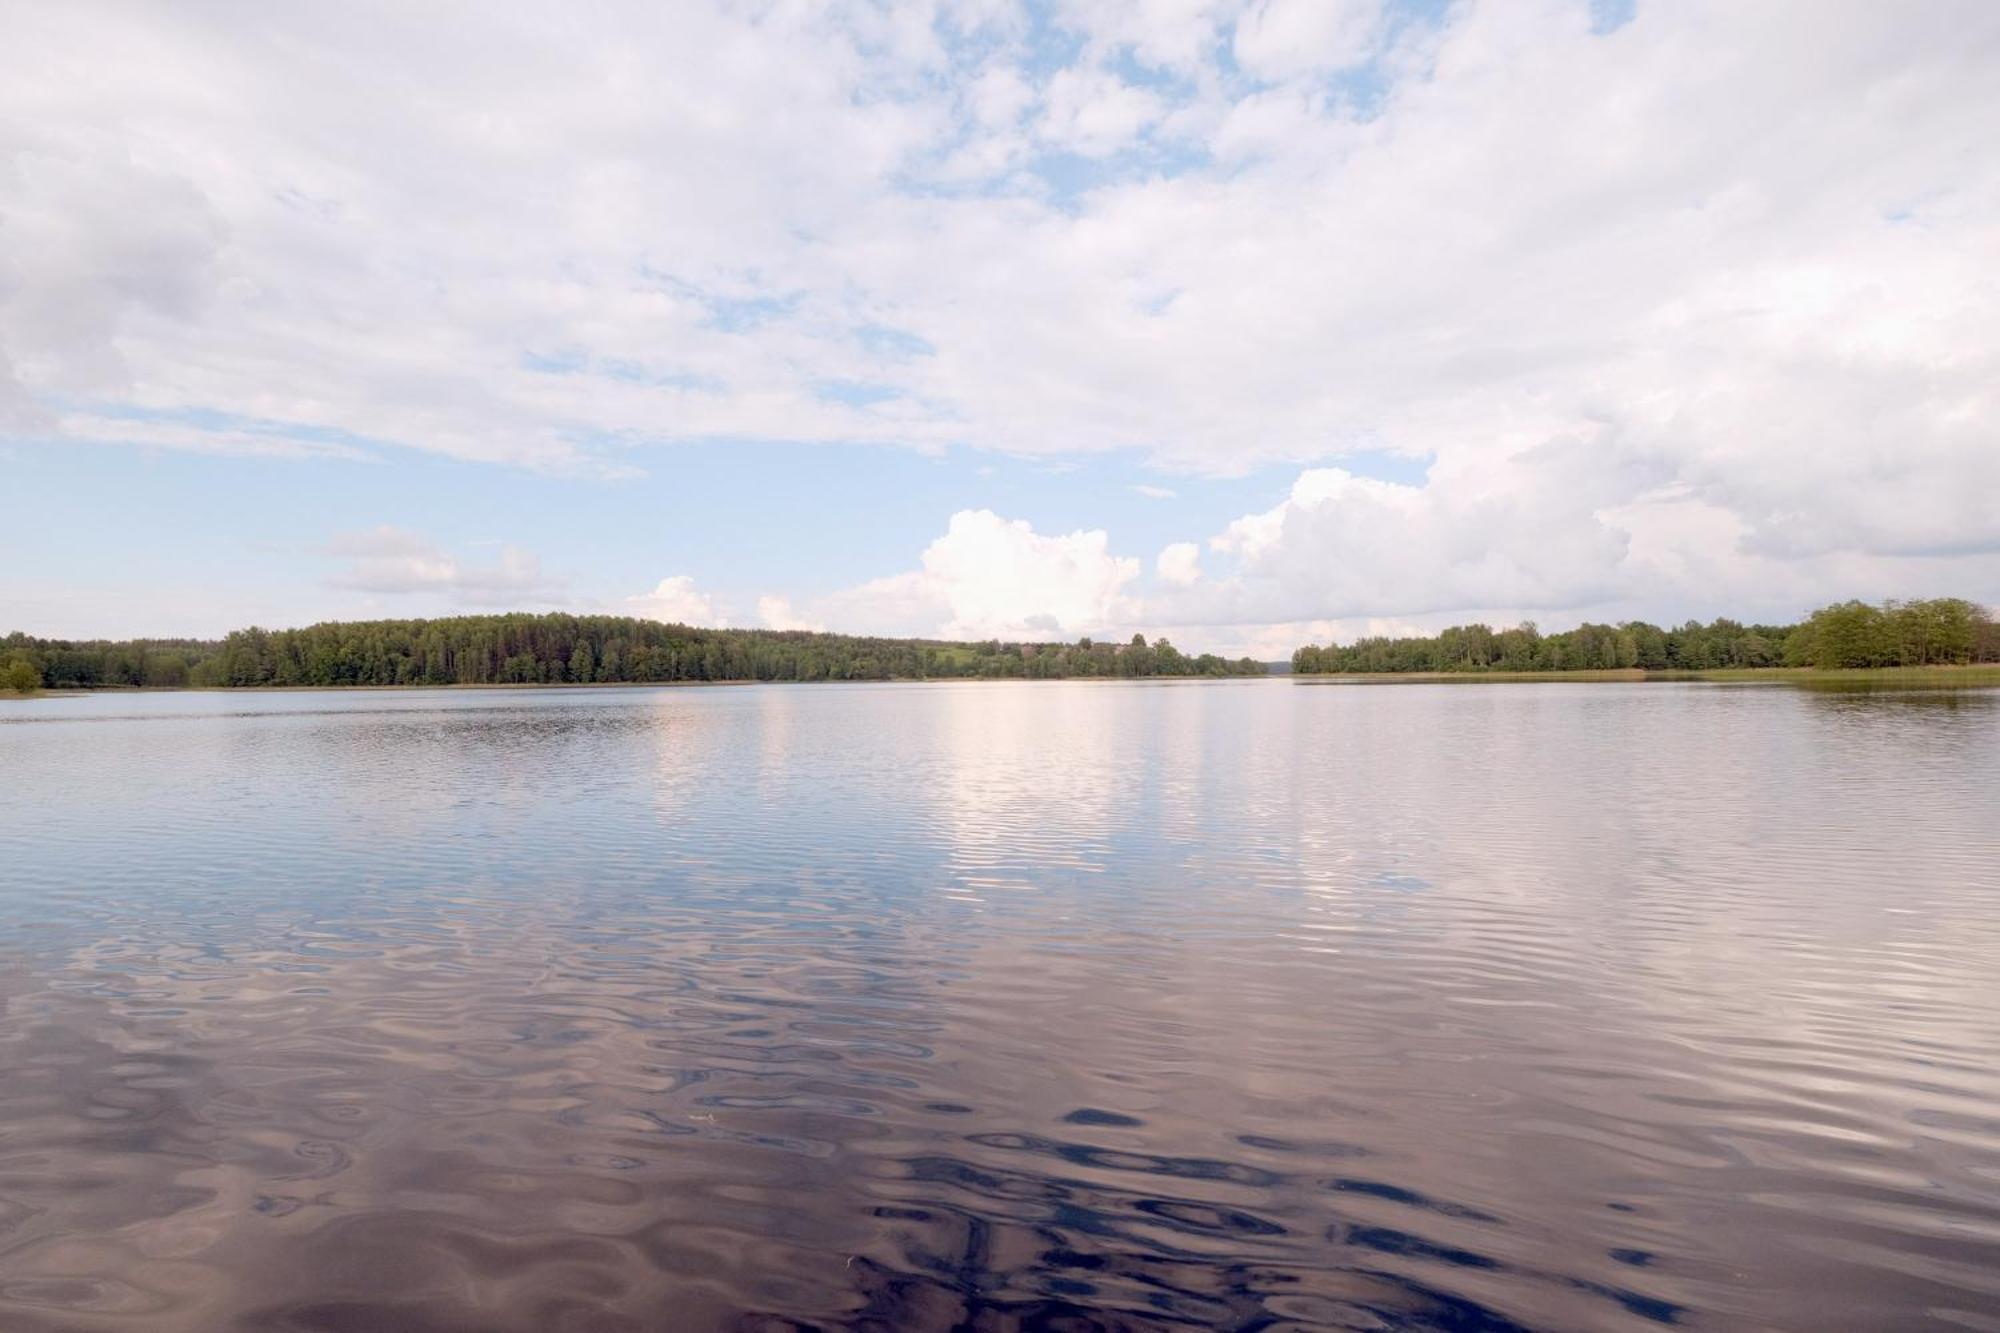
[(1248, 323)]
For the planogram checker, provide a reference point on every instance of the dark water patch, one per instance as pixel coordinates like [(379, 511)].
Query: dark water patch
[(1388, 1240), (1379, 1189), (1090, 1115)]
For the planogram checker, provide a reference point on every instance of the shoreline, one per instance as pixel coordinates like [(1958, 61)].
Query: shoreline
[(1970, 673), (71, 692)]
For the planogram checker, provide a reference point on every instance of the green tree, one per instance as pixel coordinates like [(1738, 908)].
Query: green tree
[(1942, 629), (1852, 634), (21, 676)]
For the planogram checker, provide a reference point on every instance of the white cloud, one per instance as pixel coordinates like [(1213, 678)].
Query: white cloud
[(1341, 546), (382, 542), (1176, 35), (200, 438), (1180, 564), (675, 601), (1093, 112), (777, 613), (393, 561), (1152, 492), (102, 246), (1281, 39), (997, 98), (1003, 578)]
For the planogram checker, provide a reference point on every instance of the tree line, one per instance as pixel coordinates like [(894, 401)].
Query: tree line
[(525, 649), (1937, 631)]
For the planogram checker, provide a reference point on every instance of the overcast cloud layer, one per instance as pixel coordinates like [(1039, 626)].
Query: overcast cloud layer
[(1693, 307)]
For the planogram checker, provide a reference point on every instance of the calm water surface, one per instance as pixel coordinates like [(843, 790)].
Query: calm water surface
[(1252, 1005)]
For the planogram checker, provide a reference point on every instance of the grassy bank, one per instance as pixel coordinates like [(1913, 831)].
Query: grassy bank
[(1980, 674), (1475, 677)]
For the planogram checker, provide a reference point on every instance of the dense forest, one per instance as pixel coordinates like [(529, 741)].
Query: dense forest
[(525, 649), (1938, 631)]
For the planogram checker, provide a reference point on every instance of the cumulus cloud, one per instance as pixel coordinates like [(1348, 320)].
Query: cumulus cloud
[(397, 562), (1003, 578), (1280, 39), (777, 613), (992, 577), (1179, 564), (675, 600), (1094, 112), (1341, 546)]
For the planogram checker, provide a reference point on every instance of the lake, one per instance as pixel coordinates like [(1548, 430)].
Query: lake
[(1018, 1005)]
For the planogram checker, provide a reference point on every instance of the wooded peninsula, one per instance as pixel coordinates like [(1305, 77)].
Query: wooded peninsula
[(1939, 631), (557, 649)]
